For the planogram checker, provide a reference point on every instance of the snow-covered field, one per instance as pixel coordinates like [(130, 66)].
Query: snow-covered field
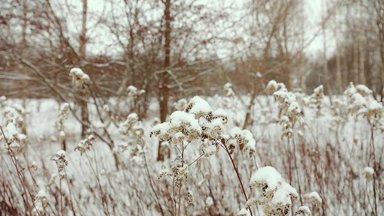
[(301, 154)]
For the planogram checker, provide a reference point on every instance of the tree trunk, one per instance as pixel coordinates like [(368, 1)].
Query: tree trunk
[(83, 104), (163, 85), (338, 64), (82, 100), (83, 34)]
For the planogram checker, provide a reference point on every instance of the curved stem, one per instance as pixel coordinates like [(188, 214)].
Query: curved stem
[(238, 176)]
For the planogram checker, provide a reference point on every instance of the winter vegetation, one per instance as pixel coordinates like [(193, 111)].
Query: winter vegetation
[(302, 155), (191, 108)]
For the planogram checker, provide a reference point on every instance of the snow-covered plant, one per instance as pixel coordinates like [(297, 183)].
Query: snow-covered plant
[(242, 139), (288, 105), (304, 210), (14, 113), (59, 124), (271, 87), (180, 104), (358, 98), (202, 127), (373, 111), (363, 90), (339, 112), (313, 198), (15, 140), (209, 201), (63, 114), (132, 127), (198, 122), (133, 131), (134, 92), (3, 101), (272, 192), (289, 109), (85, 144), (40, 203), (79, 78), (368, 173), (362, 103), (243, 212), (189, 197), (229, 89), (15, 128), (132, 101), (317, 98), (61, 162)]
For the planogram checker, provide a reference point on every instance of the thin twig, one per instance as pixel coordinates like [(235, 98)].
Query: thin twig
[(238, 175)]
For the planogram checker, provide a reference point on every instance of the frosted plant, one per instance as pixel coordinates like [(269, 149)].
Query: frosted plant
[(209, 202), (134, 92), (368, 173), (132, 127), (363, 90), (207, 149), (85, 144), (290, 111), (272, 192), (355, 100), (243, 139), (15, 130), (3, 101), (61, 162), (189, 197), (288, 105), (181, 104), (287, 127), (361, 102), (107, 110), (198, 122), (52, 180), (180, 172), (40, 203), (15, 139), (316, 99), (131, 101), (133, 131), (79, 78), (372, 111), (201, 127), (304, 210), (314, 198), (229, 89), (271, 87), (243, 212), (15, 114), (339, 113), (59, 124)]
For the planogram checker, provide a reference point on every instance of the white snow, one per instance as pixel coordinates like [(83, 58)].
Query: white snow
[(183, 119), (271, 87), (314, 197), (363, 90), (266, 175), (199, 106), (79, 77)]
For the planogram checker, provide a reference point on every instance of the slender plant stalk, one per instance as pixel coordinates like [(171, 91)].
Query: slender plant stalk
[(19, 174), (238, 176)]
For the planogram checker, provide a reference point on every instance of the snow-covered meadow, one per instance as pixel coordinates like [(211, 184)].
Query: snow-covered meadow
[(302, 154)]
